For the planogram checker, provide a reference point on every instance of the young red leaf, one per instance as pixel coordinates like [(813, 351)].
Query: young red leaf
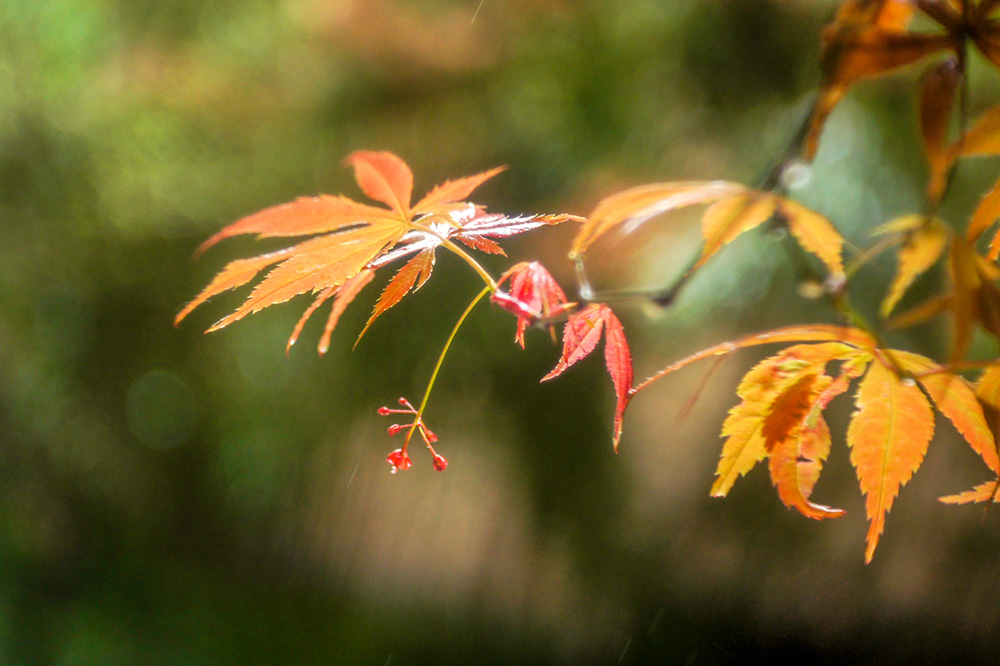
[(618, 360), (581, 335), (537, 294), (481, 243), (888, 436)]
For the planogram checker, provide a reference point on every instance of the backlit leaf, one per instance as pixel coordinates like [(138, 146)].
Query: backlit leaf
[(304, 217), (925, 241), (815, 234), (955, 398), (761, 387), (790, 408), (985, 215), (984, 492), (342, 295), (983, 138), (236, 274), (938, 89), (853, 337), (853, 52), (412, 275), (348, 291), (796, 462), (639, 204), (351, 240), (988, 387), (888, 436), (734, 210), (451, 191), (726, 219), (536, 292), (316, 264), (383, 177), (795, 465), (581, 335)]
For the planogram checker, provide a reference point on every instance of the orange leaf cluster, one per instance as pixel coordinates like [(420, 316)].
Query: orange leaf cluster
[(780, 417), (869, 38), (350, 240)]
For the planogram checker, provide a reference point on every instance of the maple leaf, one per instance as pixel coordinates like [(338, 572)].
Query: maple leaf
[(888, 436), (924, 240), (580, 336), (350, 240), (983, 139), (534, 294), (938, 89), (797, 459), (988, 392), (734, 210), (984, 492), (973, 298), (753, 426)]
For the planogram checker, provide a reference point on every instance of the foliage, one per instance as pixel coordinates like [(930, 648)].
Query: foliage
[(780, 416)]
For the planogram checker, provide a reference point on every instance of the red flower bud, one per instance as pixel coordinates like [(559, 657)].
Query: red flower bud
[(384, 411), (399, 459), (439, 462)]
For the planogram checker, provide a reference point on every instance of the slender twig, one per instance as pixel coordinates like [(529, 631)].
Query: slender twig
[(440, 362)]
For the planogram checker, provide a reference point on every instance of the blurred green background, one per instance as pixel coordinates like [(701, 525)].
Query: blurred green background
[(172, 498)]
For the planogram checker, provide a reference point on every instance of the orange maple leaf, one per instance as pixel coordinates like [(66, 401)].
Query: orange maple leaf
[(350, 240), (734, 210)]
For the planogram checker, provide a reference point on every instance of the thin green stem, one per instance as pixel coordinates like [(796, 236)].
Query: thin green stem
[(440, 362)]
